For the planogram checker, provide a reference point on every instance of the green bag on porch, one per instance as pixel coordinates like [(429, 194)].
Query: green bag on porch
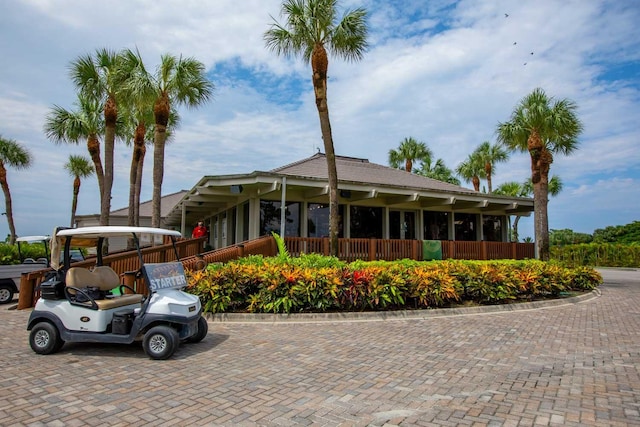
[(431, 249)]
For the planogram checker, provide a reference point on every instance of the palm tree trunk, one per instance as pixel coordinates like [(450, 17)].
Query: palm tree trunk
[(319, 65), (161, 111), (138, 140), (136, 206), (8, 204), (74, 200), (93, 146), (476, 182), (110, 119), (540, 162)]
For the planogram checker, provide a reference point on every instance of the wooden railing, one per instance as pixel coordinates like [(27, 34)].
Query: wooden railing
[(380, 249), (127, 263)]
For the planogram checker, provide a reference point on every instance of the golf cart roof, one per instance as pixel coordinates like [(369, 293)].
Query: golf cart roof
[(33, 239), (114, 230), (88, 237)]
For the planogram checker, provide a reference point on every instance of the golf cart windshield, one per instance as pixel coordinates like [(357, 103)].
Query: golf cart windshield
[(32, 239), (91, 236)]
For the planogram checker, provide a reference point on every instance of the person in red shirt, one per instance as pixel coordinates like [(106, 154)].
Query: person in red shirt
[(199, 231)]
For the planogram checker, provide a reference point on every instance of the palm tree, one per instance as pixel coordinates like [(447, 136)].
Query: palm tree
[(515, 189), (71, 127), (12, 154), (310, 30), (97, 78), (177, 81), (78, 167), (471, 170), (409, 151), (438, 171), (542, 127), (490, 155)]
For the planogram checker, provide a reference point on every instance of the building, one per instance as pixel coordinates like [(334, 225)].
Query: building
[(121, 217), (375, 202)]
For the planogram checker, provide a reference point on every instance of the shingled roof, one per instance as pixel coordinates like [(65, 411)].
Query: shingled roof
[(146, 208), (351, 169)]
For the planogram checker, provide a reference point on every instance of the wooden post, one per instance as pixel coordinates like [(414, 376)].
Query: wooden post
[(483, 250), (372, 249), (129, 279), (240, 249), (325, 246), (25, 296)]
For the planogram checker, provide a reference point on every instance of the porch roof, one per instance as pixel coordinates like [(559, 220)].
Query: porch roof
[(359, 182)]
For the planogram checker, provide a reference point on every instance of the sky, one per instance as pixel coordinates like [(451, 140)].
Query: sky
[(443, 72)]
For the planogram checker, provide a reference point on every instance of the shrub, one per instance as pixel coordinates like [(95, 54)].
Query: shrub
[(318, 283)]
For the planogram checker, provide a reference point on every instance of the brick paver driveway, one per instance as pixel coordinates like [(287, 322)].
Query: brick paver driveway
[(574, 364)]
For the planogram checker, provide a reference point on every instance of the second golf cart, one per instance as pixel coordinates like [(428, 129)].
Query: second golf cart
[(92, 305)]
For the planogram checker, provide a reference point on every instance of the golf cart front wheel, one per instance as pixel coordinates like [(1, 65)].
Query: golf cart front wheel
[(203, 329), (160, 342), (6, 294), (45, 338)]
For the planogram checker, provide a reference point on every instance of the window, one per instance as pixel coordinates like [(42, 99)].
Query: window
[(465, 226), (492, 228), (270, 218), (436, 225), (318, 220), (366, 222)]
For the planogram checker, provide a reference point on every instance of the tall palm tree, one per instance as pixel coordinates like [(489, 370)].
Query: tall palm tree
[(14, 155), (542, 127), (516, 189), (409, 151), (437, 170), (98, 78), (78, 167), (177, 81), (71, 127), (311, 29), (490, 155), (471, 170)]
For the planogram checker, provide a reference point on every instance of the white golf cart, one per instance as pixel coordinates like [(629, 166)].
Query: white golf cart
[(82, 305), (10, 275)]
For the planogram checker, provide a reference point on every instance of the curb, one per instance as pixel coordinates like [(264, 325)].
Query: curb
[(380, 316)]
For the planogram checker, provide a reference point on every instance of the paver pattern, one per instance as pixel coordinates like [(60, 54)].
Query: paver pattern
[(572, 365)]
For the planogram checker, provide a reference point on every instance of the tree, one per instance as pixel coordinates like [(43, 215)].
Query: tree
[(437, 170), (408, 152), (177, 81), (78, 167), (138, 119), (515, 189), (543, 127), (14, 155), (97, 78), (311, 29), (489, 155), (471, 170), (71, 127)]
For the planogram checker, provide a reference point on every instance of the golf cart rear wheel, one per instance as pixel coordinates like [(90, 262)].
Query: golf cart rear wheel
[(45, 338), (203, 328), (6, 294), (160, 342)]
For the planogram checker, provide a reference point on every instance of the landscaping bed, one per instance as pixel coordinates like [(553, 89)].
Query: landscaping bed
[(315, 283)]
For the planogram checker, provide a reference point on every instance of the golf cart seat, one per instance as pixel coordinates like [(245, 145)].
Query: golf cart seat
[(103, 278)]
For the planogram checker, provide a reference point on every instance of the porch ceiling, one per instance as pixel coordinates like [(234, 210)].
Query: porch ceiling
[(215, 194)]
